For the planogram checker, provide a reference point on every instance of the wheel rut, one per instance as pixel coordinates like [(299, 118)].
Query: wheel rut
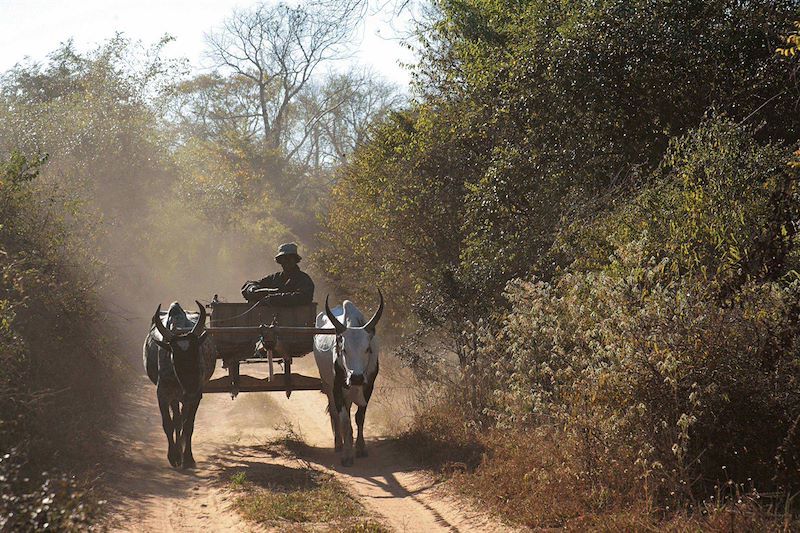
[(145, 494)]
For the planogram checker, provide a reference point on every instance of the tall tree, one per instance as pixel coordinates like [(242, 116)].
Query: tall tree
[(337, 112), (278, 48)]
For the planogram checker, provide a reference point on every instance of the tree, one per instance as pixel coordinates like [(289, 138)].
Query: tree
[(534, 115), (278, 48), (96, 115), (215, 108), (338, 111)]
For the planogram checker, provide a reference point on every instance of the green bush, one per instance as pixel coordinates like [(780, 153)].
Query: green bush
[(35, 501), (58, 373), (669, 346), (535, 114)]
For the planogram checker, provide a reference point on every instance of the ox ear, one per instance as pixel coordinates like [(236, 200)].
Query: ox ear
[(202, 338), (163, 345)]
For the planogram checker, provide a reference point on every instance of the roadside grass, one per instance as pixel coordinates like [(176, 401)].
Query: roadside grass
[(304, 498), (301, 495), (437, 441), (532, 478), (297, 498)]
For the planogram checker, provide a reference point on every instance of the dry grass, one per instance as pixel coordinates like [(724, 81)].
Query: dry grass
[(735, 518), (438, 440), (297, 497), (301, 499), (533, 478), (301, 495)]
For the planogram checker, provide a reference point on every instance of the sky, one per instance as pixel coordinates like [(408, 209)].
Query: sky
[(34, 28)]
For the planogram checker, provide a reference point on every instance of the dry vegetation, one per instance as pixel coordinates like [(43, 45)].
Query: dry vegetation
[(125, 182), (291, 495), (528, 478), (59, 372), (599, 278)]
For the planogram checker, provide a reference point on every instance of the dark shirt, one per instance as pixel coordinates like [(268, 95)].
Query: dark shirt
[(293, 289)]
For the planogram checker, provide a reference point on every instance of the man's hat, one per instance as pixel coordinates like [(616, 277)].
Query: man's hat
[(288, 248)]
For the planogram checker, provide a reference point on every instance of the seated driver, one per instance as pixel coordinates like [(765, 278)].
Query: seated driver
[(287, 288)]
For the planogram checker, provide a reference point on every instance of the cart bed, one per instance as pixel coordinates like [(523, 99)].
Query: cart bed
[(239, 344)]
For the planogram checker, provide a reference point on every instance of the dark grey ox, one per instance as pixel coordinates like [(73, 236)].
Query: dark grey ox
[(179, 364), (348, 366)]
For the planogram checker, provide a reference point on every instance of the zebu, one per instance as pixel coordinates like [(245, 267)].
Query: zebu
[(179, 364), (348, 366)]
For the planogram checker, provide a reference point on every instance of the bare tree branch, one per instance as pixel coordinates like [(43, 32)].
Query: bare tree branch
[(279, 47)]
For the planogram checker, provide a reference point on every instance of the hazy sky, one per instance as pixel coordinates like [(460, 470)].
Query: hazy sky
[(36, 27)]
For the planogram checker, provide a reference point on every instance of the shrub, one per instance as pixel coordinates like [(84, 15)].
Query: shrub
[(34, 501), (675, 356), (57, 373)]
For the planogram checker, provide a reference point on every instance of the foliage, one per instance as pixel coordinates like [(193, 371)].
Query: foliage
[(44, 501), (147, 188), (720, 207), (667, 348), (530, 113), (58, 371), (792, 42), (92, 114), (392, 220), (792, 51), (643, 192)]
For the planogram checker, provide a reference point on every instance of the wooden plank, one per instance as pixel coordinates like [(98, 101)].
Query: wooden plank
[(252, 384), (280, 330), (244, 314), (234, 323)]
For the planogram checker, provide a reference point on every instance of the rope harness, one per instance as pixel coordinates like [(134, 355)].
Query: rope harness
[(221, 320)]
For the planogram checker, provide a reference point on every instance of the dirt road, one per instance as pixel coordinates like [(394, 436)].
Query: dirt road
[(233, 436)]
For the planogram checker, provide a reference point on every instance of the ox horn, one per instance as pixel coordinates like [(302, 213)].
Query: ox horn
[(201, 320), (340, 328), (165, 333), (377, 316)]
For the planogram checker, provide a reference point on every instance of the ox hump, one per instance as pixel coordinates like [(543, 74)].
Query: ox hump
[(353, 317), (177, 317)]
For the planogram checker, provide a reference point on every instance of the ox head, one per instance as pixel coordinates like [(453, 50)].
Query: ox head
[(184, 350), (356, 351)]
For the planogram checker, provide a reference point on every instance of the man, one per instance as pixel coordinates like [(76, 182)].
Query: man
[(290, 287), (287, 288)]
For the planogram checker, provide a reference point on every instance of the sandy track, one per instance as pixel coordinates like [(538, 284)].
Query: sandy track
[(147, 495)]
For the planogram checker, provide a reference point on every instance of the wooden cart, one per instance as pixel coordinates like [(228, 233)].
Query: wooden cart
[(244, 334)]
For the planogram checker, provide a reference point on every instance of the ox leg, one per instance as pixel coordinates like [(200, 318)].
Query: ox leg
[(190, 411), (173, 455), (332, 412), (177, 423), (361, 450), (361, 413), (343, 418), (346, 429)]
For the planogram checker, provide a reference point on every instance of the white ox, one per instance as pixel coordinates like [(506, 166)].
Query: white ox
[(348, 366)]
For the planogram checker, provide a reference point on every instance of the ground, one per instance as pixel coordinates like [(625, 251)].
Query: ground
[(262, 442)]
